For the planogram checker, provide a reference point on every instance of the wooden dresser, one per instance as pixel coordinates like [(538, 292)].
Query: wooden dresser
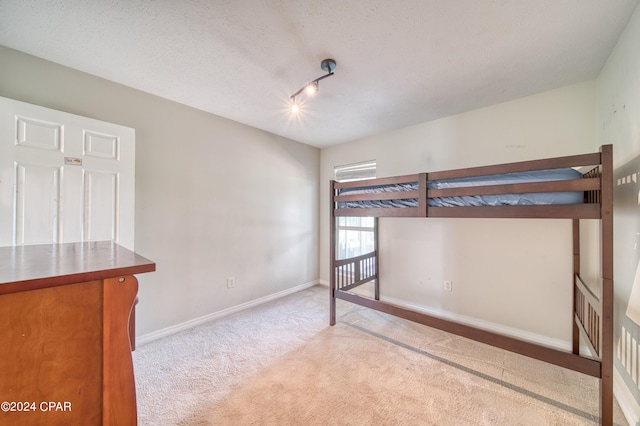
[(65, 346)]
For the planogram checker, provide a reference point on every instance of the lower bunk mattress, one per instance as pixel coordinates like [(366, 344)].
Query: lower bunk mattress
[(542, 198)]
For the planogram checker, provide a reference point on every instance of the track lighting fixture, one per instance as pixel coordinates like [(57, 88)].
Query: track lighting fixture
[(311, 88)]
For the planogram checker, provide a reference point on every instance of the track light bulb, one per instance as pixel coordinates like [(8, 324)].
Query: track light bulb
[(312, 88), (294, 105)]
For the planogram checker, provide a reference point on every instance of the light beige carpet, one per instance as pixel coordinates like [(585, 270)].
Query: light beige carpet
[(281, 364)]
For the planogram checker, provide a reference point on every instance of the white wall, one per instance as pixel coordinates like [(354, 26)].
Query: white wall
[(214, 198), (618, 122), (512, 273)]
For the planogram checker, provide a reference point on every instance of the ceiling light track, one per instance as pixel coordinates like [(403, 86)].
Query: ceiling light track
[(311, 88)]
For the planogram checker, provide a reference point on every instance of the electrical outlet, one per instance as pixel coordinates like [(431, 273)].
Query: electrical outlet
[(231, 282), (448, 286)]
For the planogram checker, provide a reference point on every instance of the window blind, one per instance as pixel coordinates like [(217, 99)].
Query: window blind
[(355, 171)]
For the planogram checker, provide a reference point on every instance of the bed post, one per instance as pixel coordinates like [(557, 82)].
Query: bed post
[(423, 197), (575, 334), (332, 258), (375, 249), (606, 381)]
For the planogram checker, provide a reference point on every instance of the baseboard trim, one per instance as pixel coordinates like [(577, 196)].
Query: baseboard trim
[(628, 404), (168, 331)]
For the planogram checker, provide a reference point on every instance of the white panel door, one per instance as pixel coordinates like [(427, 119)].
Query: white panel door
[(64, 178)]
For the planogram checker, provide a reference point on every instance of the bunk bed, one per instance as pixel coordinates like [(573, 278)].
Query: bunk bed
[(547, 188)]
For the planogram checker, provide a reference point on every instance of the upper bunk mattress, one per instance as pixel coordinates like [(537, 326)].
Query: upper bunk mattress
[(541, 198)]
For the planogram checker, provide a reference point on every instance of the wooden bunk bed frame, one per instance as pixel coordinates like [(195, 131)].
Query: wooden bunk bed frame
[(593, 315)]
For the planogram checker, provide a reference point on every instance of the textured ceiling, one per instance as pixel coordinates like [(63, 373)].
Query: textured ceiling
[(399, 62)]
